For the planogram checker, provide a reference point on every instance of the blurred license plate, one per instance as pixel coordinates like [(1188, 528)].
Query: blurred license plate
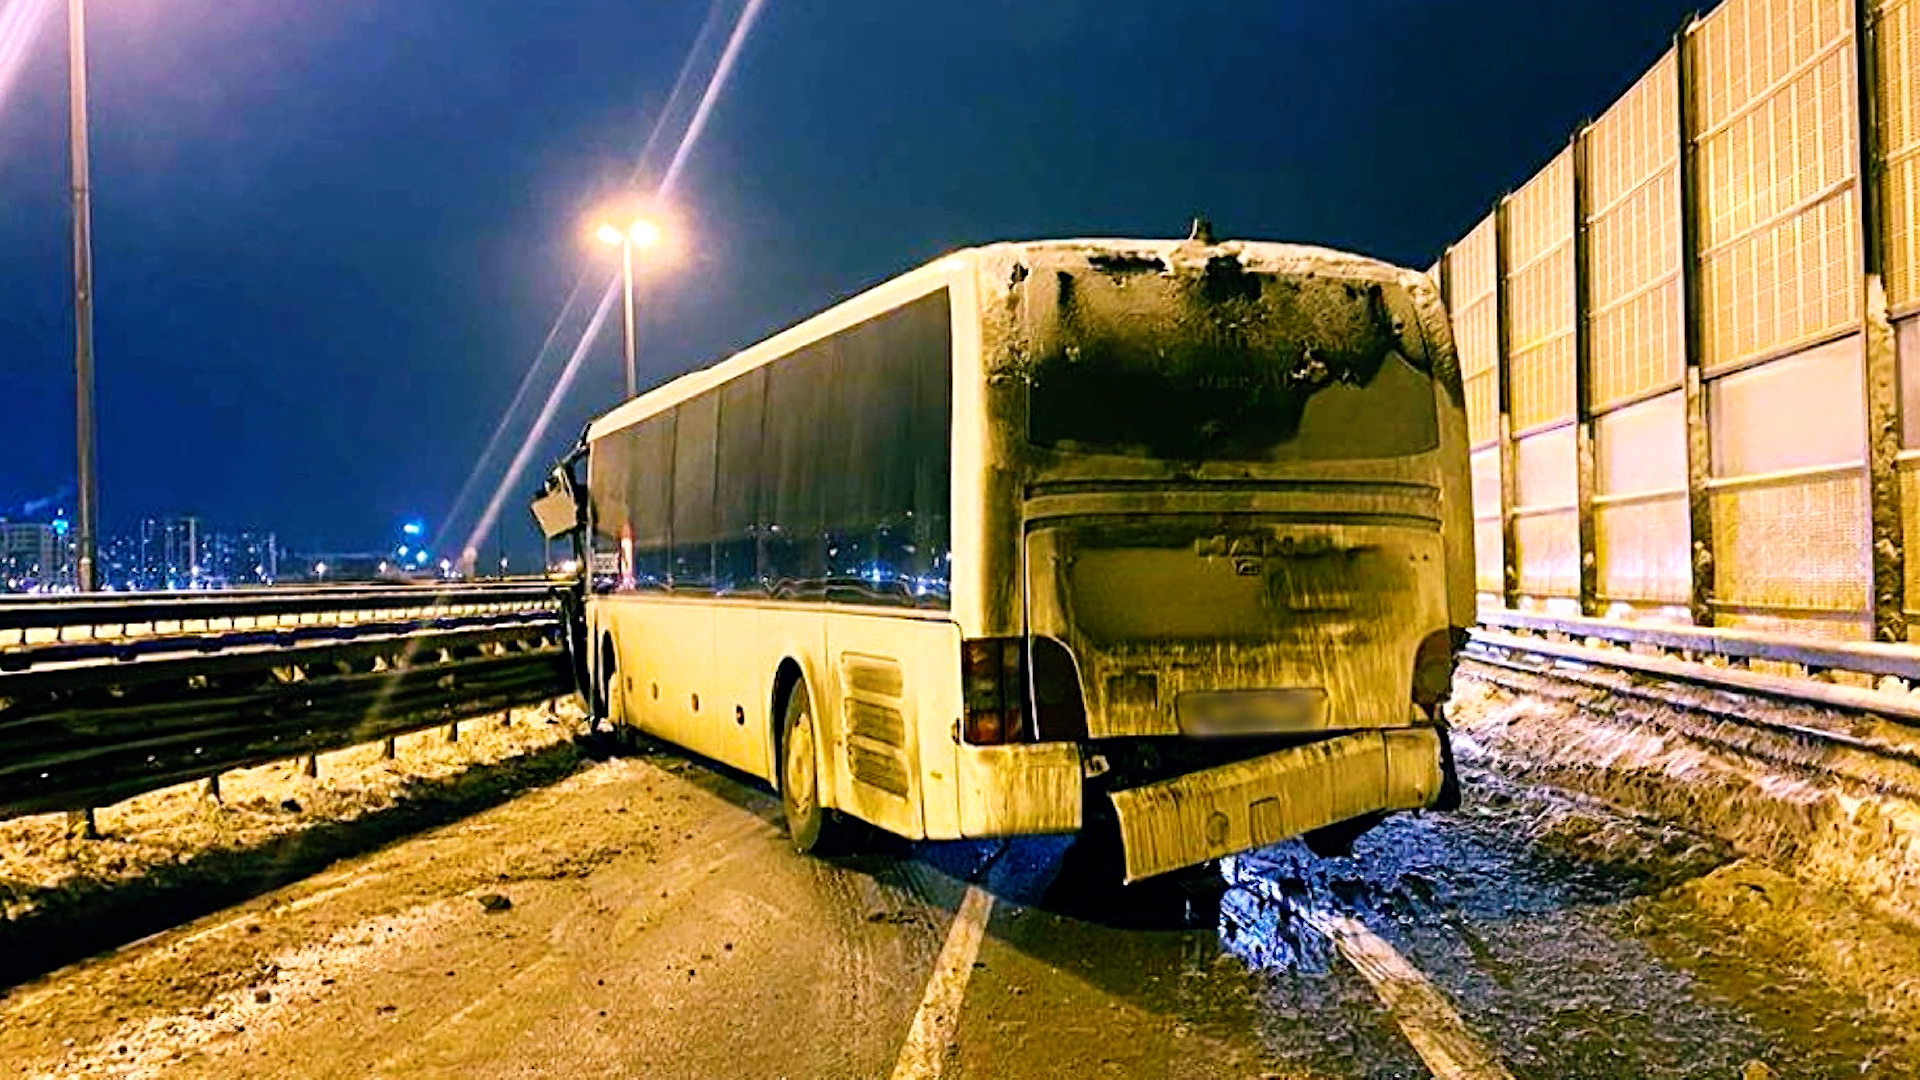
[(1251, 712)]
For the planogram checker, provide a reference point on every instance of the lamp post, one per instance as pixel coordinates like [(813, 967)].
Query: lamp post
[(88, 578), (638, 233)]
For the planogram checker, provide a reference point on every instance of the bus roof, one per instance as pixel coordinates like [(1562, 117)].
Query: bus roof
[(1256, 255)]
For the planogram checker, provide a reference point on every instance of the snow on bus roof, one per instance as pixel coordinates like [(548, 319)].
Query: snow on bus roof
[(1259, 256)]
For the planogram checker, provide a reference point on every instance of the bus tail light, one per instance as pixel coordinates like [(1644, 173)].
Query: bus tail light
[(1433, 668), (993, 684)]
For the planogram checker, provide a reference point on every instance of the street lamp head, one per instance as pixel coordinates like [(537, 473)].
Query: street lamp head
[(626, 228)]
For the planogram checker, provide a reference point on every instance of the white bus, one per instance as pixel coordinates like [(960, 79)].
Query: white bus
[(1169, 536)]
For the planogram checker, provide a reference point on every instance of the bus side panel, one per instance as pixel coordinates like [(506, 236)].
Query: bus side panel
[(744, 662), (665, 656), (1456, 475), (676, 655), (1456, 510), (898, 685), (624, 620)]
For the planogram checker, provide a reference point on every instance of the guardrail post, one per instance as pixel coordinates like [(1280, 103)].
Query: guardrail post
[(453, 731), (1699, 435), (312, 768), (1584, 465), (1503, 389), (82, 825), (388, 750), (213, 787), (1879, 345)]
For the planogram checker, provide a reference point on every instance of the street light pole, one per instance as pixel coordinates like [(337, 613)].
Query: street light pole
[(633, 233), (82, 286), (626, 282)]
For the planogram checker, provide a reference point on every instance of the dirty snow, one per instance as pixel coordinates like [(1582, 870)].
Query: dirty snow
[(178, 841)]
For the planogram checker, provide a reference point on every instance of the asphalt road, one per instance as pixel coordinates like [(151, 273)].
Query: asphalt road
[(645, 918)]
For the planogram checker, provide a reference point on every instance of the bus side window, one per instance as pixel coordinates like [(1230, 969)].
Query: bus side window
[(799, 407), (650, 502), (693, 532), (736, 490)]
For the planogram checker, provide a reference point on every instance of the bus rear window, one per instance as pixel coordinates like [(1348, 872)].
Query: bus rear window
[(1227, 365)]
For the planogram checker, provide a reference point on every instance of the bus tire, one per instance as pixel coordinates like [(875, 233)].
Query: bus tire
[(813, 828), (603, 703), (616, 698)]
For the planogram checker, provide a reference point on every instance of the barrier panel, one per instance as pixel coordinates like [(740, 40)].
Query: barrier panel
[(1685, 370)]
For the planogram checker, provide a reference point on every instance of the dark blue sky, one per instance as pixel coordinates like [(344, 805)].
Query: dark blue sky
[(330, 237)]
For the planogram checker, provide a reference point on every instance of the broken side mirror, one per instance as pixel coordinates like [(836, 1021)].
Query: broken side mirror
[(559, 508)]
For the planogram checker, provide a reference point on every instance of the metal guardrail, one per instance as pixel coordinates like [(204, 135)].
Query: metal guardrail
[(167, 689), (1863, 657), (1573, 639), (103, 698), (75, 627), (63, 610)]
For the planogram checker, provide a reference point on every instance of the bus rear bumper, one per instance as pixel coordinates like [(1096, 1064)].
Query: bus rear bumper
[(1221, 811)]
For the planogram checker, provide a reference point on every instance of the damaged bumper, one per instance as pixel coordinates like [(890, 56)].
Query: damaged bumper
[(1233, 808)]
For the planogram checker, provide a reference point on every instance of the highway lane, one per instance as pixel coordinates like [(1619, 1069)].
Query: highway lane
[(645, 917)]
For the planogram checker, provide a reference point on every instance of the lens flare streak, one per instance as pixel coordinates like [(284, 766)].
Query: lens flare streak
[(20, 20), (545, 419), (716, 82)]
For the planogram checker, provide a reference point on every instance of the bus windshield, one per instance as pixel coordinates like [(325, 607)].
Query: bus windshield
[(1225, 364)]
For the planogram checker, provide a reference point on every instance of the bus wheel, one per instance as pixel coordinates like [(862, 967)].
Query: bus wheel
[(616, 699), (814, 829), (603, 703)]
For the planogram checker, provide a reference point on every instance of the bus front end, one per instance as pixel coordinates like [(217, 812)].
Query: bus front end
[(1235, 493)]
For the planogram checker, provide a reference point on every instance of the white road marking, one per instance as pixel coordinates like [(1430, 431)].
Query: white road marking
[(1437, 1033), (925, 1053)]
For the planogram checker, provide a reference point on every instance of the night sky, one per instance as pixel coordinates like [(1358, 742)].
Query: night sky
[(331, 237)]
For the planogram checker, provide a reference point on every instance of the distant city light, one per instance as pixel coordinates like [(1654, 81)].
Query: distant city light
[(404, 552), (420, 559), (163, 553), (413, 528), (319, 568)]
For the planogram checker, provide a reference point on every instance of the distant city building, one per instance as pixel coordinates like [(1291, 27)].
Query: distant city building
[(30, 555), (177, 552), (169, 554), (232, 559), (181, 552), (118, 557)]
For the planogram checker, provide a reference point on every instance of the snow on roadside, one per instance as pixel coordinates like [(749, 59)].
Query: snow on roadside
[(1835, 817), (291, 981), (1828, 874), (179, 836)]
